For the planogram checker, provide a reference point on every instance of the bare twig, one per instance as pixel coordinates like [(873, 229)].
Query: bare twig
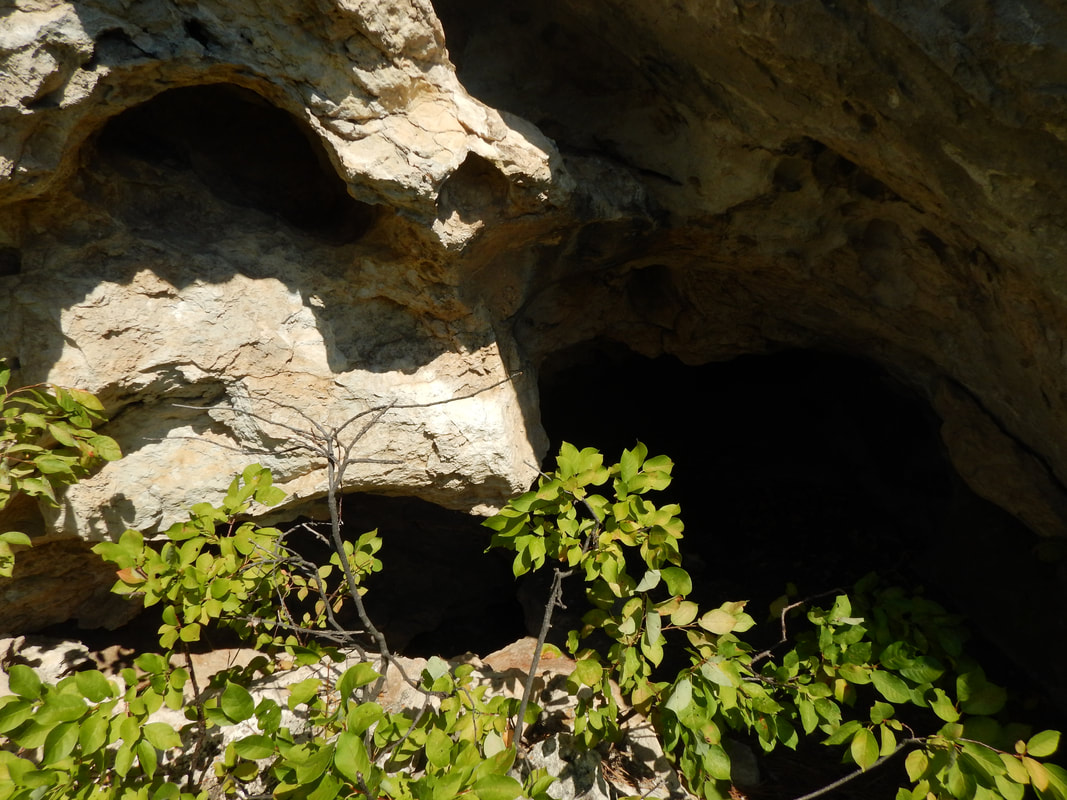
[(339, 635), (201, 724), (853, 775), (785, 635), (656, 785), (326, 444), (554, 600)]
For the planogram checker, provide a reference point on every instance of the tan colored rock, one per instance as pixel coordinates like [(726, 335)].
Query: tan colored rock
[(257, 317)]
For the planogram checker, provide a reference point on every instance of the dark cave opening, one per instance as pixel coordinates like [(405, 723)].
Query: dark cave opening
[(439, 592), (798, 466), (245, 150), (814, 469)]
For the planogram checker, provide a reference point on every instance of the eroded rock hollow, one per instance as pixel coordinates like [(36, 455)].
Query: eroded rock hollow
[(226, 217)]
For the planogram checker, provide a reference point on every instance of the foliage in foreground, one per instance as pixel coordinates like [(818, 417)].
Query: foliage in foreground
[(847, 677), (848, 674), (47, 442)]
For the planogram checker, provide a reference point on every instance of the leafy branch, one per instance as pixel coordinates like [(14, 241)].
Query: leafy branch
[(47, 442), (840, 673)]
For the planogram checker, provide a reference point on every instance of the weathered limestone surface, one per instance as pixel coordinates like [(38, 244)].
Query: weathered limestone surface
[(270, 210)]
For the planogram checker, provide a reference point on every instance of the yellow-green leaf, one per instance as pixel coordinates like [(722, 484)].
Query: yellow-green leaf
[(864, 748), (1043, 744)]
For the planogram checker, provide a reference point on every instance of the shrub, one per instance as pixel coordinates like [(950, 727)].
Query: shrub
[(47, 442), (842, 673)]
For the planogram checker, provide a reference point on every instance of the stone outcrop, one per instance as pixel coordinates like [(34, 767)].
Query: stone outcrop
[(233, 220)]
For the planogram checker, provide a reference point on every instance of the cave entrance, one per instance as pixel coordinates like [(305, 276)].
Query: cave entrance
[(247, 152), (800, 466), (816, 469)]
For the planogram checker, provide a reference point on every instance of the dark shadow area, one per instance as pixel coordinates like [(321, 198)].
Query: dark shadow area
[(567, 70), (438, 593), (245, 150), (799, 467), (817, 469)]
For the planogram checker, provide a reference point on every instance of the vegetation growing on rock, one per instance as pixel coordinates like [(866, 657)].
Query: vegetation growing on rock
[(874, 672)]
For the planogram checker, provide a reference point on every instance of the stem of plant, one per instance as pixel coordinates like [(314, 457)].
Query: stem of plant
[(554, 596), (853, 775)]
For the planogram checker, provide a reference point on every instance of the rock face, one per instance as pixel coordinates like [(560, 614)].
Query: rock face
[(233, 220)]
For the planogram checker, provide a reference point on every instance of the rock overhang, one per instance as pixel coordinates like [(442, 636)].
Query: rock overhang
[(718, 181)]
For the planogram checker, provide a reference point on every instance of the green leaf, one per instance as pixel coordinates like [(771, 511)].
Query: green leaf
[(16, 537), (147, 756), (303, 691), (984, 758), (808, 717), (681, 697), (438, 748), (497, 787), (924, 669), (943, 707), (631, 461), (31, 420), (236, 703), (123, 759), (1057, 780), (677, 580), (890, 686), (93, 685), (86, 399), (1010, 790), (718, 621), (23, 681), (315, 765), (105, 447), (716, 762), (350, 757), (151, 662), (60, 708), (685, 613), (1043, 744), (916, 764), (355, 676), (255, 746), (50, 464), (845, 732), (653, 623), (13, 713), (59, 743), (92, 733), (864, 748), (190, 632), (1039, 777), (362, 716), (62, 434), (649, 581), (1014, 767), (161, 735), (588, 671)]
